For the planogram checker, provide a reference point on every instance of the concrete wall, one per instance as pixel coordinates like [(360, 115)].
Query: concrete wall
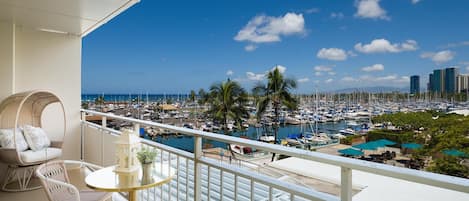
[(52, 61), (99, 148), (31, 59), (6, 59)]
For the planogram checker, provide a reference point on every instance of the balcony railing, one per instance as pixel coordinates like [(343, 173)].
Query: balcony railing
[(202, 178)]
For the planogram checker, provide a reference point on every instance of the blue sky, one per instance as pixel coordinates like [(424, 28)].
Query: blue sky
[(176, 46)]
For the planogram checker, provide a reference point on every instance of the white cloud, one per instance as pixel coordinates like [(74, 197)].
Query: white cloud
[(334, 54), (459, 44), (383, 46), (261, 76), (370, 9), (312, 10), (351, 53), (229, 73), (250, 48), (322, 68), (331, 73), (329, 80), (375, 67), (280, 68), (266, 29), (415, 1), (348, 79), (337, 15), (387, 79), (403, 80), (303, 80), (439, 57), (317, 73), (255, 77)]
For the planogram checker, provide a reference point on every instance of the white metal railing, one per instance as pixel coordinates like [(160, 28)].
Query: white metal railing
[(202, 178)]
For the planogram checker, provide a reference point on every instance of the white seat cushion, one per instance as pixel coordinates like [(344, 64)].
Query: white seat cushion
[(36, 137), (31, 156), (6, 139)]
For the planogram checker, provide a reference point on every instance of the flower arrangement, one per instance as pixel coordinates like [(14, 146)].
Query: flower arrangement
[(146, 155)]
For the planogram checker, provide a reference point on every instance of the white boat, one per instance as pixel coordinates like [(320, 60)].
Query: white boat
[(347, 131)]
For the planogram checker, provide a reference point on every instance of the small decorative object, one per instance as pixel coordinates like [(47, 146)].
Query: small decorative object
[(146, 156), (126, 150)]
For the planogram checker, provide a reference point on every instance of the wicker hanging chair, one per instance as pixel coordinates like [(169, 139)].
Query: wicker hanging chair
[(21, 109)]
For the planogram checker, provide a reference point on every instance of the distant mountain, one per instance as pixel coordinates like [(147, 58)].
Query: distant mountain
[(377, 89)]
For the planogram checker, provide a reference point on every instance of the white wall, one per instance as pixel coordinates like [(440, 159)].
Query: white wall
[(31, 59), (52, 61), (6, 60)]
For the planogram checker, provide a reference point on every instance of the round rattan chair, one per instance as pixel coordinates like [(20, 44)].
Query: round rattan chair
[(55, 179), (21, 109)]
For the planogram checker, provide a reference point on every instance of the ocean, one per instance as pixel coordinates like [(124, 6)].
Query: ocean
[(129, 97)]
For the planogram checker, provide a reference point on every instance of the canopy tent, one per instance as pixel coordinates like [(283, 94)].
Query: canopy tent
[(350, 152), (411, 146), (385, 142), (374, 145), (454, 152), (167, 107)]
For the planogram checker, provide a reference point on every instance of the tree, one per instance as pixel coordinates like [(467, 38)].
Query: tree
[(192, 96), (277, 94), (99, 101), (227, 102)]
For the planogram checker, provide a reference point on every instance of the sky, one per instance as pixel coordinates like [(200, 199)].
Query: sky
[(178, 46)]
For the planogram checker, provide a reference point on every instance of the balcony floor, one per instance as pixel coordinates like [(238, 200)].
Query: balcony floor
[(76, 178)]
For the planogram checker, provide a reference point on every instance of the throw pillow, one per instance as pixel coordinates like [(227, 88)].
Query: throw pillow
[(36, 137), (7, 141)]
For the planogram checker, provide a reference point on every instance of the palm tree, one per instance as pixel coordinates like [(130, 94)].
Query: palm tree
[(227, 102), (277, 94), (192, 96), (99, 101)]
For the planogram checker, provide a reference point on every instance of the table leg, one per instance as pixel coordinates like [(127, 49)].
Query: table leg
[(132, 196)]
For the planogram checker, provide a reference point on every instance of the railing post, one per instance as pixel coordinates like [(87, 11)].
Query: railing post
[(346, 184), (137, 128), (82, 136), (103, 126), (197, 168)]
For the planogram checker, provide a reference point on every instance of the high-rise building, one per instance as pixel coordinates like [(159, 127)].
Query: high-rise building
[(450, 79), (462, 83), (430, 83), (438, 81), (414, 84)]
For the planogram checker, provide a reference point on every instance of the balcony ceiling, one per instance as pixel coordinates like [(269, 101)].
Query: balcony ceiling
[(77, 17)]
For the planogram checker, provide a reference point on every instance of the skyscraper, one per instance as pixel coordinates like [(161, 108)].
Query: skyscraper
[(430, 83), (438, 81), (414, 84), (450, 80), (462, 83)]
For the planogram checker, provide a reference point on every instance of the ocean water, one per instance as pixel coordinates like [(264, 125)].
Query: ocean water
[(187, 142), (129, 97)]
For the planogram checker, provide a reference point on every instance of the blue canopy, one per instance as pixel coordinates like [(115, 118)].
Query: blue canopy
[(368, 146), (351, 152), (411, 146), (454, 152), (373, 145), (385, 142)]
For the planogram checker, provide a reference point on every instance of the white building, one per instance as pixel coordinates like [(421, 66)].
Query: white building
[(462, 83)]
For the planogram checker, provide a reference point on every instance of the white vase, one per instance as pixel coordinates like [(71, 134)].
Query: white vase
[(147, 169)]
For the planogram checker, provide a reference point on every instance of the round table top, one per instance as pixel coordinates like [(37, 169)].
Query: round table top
[(108, 180)]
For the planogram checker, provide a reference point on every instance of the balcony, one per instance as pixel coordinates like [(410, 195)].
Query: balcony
[(34, 31), (201, 177)]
